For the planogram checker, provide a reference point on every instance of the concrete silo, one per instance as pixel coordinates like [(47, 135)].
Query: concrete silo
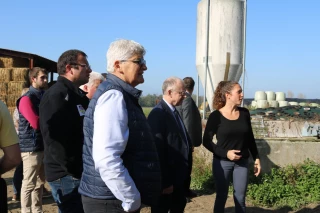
[(221, 37)]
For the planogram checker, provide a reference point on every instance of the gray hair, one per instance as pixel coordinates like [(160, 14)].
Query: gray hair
[(122, 50), (170, 83), (93, 77)]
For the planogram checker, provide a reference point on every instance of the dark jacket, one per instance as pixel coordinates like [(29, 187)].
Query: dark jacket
[(62, 111), (140, 156), (30, 140), (173, 151), (191, 118)]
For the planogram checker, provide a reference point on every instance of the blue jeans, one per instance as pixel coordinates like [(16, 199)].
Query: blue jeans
[(65, 193), (223, 171)]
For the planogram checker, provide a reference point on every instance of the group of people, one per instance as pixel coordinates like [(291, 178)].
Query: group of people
[(100, 153)]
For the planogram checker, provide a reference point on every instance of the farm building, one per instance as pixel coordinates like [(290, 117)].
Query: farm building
[(14, 68)]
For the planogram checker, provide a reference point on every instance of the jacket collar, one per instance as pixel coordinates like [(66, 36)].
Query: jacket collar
[(125, 86), (71, 86), (37, 92)]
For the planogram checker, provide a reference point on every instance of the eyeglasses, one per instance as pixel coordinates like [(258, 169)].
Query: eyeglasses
[(82, 65), (181, 92), (140, 61)]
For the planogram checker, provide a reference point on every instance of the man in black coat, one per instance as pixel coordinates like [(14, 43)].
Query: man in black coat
[(190, 115), (62, 110), (173, 146)]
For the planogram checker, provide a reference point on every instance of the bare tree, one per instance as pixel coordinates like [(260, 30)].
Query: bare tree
[(302, 96), (290, 94)]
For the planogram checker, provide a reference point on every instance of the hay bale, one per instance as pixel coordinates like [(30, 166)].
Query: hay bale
[(19, 74), (15, 87), (3, 98), (11, 110), (12, 99), (9, 62), (3, 88), (5, 74)]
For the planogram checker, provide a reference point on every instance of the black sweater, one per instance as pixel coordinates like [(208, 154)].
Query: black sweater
[(231, 134), (61, 122)]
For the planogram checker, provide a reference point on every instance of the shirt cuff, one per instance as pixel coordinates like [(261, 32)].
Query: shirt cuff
[(131, 206)]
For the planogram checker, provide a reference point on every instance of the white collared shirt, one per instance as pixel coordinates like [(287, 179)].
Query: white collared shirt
[(110, 137)]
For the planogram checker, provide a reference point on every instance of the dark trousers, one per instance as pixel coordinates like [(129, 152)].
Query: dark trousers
[(65, 193), (17, 179), (175, 202), (223, 171), (3, 196), (91, 205), (188, 179)]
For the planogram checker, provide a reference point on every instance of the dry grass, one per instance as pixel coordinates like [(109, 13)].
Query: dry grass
[(3, 98), (19, 74), (11, 110), (12, 99), (3, 88), (15, 88), (9, 62), (5, 74)]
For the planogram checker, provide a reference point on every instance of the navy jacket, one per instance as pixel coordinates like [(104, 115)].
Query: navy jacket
[(172, 149), (30, 140)]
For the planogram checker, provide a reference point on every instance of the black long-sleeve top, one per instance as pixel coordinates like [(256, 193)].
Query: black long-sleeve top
[(231, 134)]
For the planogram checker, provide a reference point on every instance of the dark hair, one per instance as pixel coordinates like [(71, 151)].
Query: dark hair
[(34, 72), (223, 87), (68, 57), (188, 83)]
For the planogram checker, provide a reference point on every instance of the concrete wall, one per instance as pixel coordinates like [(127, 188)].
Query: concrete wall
[(278, 151)]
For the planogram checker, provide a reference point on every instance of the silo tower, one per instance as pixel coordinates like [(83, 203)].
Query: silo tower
[(220, 49)]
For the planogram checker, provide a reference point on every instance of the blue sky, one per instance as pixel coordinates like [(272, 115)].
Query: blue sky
[(283, 37)]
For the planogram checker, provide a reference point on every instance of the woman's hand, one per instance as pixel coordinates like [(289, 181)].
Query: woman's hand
[(233, 156), (257, 167)]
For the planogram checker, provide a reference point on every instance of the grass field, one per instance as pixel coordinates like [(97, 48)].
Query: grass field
[(147, 110)]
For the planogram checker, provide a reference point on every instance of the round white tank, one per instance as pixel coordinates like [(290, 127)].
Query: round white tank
[(293, 103), (262, 104), (225, 36), (283, 103), (314, 105), (303, 104), (254, 104), (280, 96), (274, 104), (260, 95), (271, 96)]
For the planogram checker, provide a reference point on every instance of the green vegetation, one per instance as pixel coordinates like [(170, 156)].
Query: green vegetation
[(292, 186), (147, 110)]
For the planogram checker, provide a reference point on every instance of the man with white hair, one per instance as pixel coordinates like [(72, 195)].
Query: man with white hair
[(95, 80), (120, 163), (173, 145)]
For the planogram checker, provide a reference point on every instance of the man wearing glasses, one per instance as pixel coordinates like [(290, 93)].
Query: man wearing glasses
[(62, 110), (120, 163), (173, 145)]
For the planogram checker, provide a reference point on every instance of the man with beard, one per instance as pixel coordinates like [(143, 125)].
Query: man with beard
[(31, 143), (61, 121)]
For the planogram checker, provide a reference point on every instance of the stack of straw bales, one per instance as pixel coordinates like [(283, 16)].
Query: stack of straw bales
[(13, 78)]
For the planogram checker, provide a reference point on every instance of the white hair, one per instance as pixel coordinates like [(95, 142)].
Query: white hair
[(122, 50), (92, 78), (170, 83)]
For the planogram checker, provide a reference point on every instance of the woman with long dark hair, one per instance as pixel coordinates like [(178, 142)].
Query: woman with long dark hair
[(232, 126)]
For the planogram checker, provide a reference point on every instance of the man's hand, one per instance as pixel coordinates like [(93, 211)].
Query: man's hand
[(233, 156), (168, 190)]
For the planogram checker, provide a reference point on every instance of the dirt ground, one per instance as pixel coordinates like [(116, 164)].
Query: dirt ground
[(200, 204)]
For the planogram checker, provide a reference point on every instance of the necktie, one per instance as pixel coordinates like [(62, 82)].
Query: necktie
[(179, 122)]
